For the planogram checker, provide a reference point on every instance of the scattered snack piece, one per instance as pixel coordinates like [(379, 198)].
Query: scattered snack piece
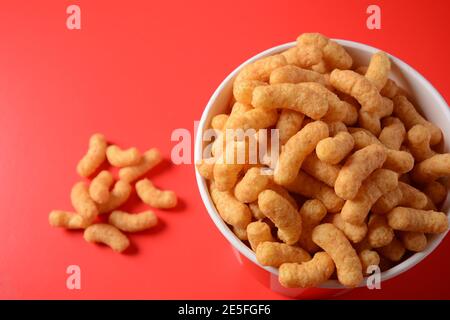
[(297, 97), (118, 196), (274, 254), (253, 182), (154, 197), (258, 232), (437, 166), (94, 157), (82, 202), (282, 214), (307, 274), (230, 209), (380, 233), (334, 242), (99, 187), (312, 212), (357, 168), (133, 222), (68, 220), (149, 160), (123, 158), (408, 219), (407, 113), (297, 149), (106, 234)]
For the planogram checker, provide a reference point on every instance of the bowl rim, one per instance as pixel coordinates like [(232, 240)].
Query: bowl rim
[(223, 227)]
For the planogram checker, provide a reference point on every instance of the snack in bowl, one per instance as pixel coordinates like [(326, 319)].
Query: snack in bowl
[(370, 206)]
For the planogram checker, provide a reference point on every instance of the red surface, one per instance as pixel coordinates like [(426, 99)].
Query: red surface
[(136, 71)]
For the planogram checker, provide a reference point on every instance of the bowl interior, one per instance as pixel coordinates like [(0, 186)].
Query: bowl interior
[(422, 93)]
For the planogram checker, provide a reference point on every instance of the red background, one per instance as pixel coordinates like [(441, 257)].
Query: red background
[(136, 71)]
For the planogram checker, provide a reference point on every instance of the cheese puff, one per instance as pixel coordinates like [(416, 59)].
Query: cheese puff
[(261, 69), (243, 90), (409, 219), (237, 110), (68, 220), (308, 274), (241, 233), (371, 120), (226, 171), (297, 149), (251, 185), (154, 197), (117, 197), (357, 168), (377, 184), (388, 201), (390, 89), (333, 150), (380, 234), (335, 127), (394, 251), (293, 74), (218, 121), (282, 192), (274, 254), (256, 212), (123, 158), (253, 119), (358, 87), (361, 70), (133, 222), (83, 203), (432, 168), (282, 214), (407, 113), (337, 109), (289, 123), (106, 234), (413, 241), (99, 187), (312, 212), (393, 133), (333, 53), (398, 161), (94, 157), (230, 209), (258, 232), (353, 232), (378, 70), (309, 187), (419, 138), (333, 241), (320, 67), (149, 160), (430, 205), (302, 56), (368, 258), (436, 191), (321, 170), (411, 197), (296, 97), (205, 168)]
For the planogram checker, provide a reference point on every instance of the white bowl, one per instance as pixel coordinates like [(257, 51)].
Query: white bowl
[(423, 94)]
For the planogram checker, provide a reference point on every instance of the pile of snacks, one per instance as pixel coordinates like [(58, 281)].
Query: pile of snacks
[(358, 178), (103, 195)]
